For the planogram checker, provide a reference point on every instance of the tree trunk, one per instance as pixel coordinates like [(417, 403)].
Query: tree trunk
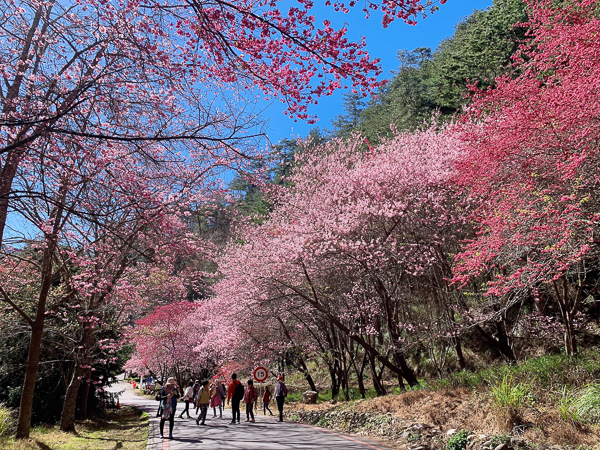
[(504, 345), (360, 378), (407, 372), (86, 394), (459, 354), (335, 386), (310, 381), (377, 385), (568, 309), (37, 331), (33, 359), (500, 346), (67, 418), (569, 336)]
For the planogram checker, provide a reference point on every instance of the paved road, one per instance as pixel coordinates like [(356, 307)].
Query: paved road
[(265, 433)]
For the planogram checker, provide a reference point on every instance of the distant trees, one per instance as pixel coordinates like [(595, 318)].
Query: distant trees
[(479, 51)]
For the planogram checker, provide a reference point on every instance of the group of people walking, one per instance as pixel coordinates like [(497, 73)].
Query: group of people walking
[(204, 394)]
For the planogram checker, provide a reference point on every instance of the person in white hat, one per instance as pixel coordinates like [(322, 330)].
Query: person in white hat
[(168, 395)]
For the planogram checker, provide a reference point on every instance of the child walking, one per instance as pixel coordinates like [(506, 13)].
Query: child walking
[(250, 397), (266, 400)]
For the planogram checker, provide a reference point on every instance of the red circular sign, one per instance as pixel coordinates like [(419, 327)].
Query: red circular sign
[(261, 374)]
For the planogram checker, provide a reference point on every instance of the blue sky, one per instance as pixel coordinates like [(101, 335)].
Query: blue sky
[(381, 43)]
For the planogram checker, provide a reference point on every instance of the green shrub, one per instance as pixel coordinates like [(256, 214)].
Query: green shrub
[(459, 441), (323, 422), (413, 437), (509, 394)]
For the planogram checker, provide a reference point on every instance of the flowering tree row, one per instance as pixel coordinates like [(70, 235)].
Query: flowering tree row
[(484, 232)]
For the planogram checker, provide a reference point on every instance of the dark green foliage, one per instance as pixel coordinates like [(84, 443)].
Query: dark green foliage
[(459, 441), (405, 101), (276, 169), (478, 52), (251, 200), (345, 123)]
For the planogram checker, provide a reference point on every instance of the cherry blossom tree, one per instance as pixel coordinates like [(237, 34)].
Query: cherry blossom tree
[(349, 243), (99, 212), (531, 163)]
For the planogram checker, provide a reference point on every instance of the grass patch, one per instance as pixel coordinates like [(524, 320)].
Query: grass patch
[(587, 404), (6, 421), (550, 373), (509, 397), (125, 428)]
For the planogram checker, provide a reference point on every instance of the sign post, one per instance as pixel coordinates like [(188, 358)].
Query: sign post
[(260, 374)]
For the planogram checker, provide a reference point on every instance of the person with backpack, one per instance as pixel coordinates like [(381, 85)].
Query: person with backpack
[(235, 393), (168, 399), (250, 398), (280, 394), (266, 400), (202, 402)]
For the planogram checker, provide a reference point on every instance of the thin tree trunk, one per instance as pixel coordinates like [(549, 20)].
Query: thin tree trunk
[(37, 328), (37, 331), (335, 387), (459, 354), (407, 372), (360, 378), (377, 385), (67, 418), (33, 358), (86, 394)]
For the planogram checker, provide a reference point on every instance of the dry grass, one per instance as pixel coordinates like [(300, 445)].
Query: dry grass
[(473, 410), (125, 429)]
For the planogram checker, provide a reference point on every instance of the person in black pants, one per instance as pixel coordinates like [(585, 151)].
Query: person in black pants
[(280, 393), (169, 395), (202, 402), (187, 398), (250, 398), (235, 394)]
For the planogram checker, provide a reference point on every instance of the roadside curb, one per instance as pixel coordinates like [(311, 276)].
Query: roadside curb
[(345, 436)]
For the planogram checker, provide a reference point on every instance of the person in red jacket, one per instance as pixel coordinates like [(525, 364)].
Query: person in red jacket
[(250, 398), (235, 394), (266, 400)]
